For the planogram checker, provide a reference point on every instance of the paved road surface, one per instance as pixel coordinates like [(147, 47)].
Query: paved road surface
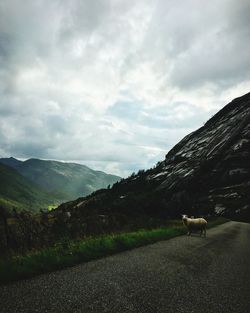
[(184, 274)]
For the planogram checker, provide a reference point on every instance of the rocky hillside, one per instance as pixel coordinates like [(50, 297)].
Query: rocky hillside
[(208, 172)]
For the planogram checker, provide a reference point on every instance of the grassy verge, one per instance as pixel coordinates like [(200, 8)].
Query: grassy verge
[(69, 252)]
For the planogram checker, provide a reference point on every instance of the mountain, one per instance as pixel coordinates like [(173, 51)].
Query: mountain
[(12, 162), (18, 192), (66, 180), (207, 172)]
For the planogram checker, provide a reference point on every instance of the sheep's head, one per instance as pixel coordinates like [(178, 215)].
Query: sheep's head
[(184, 217)]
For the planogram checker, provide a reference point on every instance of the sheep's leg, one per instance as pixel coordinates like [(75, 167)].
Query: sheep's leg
[(205, 232)]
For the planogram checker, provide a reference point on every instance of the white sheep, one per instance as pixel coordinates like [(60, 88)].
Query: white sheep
[(194, 224)]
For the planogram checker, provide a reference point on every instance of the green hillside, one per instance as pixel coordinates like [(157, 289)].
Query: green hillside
[(35, 183), (18, 192), (71, 179)]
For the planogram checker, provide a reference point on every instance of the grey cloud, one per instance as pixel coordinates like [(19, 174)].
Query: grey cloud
[(28, 149), (126, 110), (200, 42), (176, 115), (221, 56), (83, 17), (56, 124)]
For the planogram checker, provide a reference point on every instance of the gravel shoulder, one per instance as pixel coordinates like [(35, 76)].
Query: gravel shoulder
[(184, 274)]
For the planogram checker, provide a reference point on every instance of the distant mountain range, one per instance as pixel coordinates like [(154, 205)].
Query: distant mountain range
[(35, 184)]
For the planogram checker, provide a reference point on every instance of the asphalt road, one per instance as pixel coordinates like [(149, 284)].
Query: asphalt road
[(184, 274)]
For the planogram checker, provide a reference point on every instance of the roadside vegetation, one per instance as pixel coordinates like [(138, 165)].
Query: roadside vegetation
[(70, 252)]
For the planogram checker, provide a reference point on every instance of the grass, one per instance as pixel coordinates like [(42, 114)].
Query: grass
[(68, 252), (52, 207), (10, 204)]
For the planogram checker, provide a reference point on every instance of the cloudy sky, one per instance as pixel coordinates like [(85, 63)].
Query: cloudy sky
[(114, 84)]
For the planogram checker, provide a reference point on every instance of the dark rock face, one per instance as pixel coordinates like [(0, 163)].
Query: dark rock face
[(208, 172), (213, 163)]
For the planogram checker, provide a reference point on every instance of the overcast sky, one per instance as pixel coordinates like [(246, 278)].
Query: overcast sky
[(114, 84)]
